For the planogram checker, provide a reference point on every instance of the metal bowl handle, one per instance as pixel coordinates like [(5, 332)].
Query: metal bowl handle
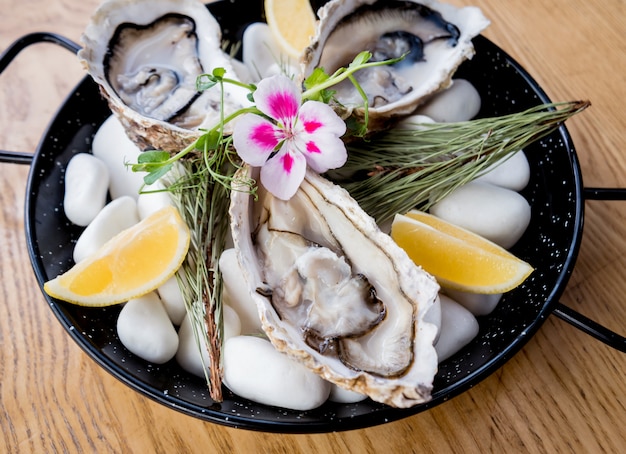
[(18, 157), (578, 320)]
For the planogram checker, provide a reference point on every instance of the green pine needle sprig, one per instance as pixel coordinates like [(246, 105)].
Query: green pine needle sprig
[(202, 196), (402, 169)]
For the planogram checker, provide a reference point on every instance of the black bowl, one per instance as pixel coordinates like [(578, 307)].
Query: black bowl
[(550, 245)]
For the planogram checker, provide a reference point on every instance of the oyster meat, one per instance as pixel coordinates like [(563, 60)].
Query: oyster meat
[(433, 37), (146, 56), (336, 293)]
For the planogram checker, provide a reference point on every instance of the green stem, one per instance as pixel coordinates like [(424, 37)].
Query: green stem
[(342, 74), (193, 146), (239, 83)]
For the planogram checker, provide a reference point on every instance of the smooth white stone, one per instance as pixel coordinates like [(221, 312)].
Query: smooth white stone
[(434, 316), (152, 199), (145, 329), (115, 149), (86, 184), (458, 328), (496, 213), (242, 71), (344, 396), (513, 173), (190, 356), (117, 216), (476, 303), (235, 293), (172, 299), (414, 122), (459, 102), (255, 370), (262, 55), (232, 323)]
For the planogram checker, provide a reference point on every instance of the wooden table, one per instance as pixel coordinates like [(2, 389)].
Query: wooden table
[(563, 392)]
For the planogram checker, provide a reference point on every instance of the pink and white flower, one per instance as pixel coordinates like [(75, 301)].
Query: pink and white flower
[(293, 135)]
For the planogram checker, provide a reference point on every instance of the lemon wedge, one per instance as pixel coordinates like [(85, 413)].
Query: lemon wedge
[(292, 23), (458, 258), (131, 264)]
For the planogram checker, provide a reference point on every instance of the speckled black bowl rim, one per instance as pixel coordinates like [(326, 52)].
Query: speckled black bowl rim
[(550, 244)]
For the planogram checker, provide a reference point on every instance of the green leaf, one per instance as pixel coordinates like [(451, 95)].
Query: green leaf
[(211, 140), (154, 156), (360, 59), (153, 176), (327, 95), (219, 73), (206, 81), (317, 77), (356, 128)]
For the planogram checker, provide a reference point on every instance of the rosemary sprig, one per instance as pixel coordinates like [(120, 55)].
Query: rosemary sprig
[(203, 204), (403, 169)]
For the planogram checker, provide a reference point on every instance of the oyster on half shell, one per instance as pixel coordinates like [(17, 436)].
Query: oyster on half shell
[(335, 292), (434, 38), (146, 56)]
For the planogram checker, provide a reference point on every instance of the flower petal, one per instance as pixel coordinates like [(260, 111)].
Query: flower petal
[(319, 136), (324, 152), (279, 98), (255, 138), (284, 172), (315, 116)]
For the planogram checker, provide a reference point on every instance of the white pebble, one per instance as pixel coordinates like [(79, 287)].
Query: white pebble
[(86, 184), (152, 199), (192, 356), (496, 213), (235, 293), (117, 216), (242, 71), (512, 173), (460, 102), (172, 299), (476, 303), (145, 329), (255, 370), (344, 396), (232, 324), (115, 149), (262, 55), (458, 328), (433, 315), (414, 122)]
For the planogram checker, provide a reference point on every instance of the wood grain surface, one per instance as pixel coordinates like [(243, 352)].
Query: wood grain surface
[(563, 392)]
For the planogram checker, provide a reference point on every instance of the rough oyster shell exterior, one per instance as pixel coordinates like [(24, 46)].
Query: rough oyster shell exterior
[(100, 39), (406, 291), (371, 19)]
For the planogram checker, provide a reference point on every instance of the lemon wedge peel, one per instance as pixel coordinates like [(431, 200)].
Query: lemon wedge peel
[(292, 23), (457, 258), (133, 263)]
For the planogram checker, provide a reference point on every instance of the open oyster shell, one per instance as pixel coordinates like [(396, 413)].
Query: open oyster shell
[(336, 293), (146, 56), (435, 37)]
